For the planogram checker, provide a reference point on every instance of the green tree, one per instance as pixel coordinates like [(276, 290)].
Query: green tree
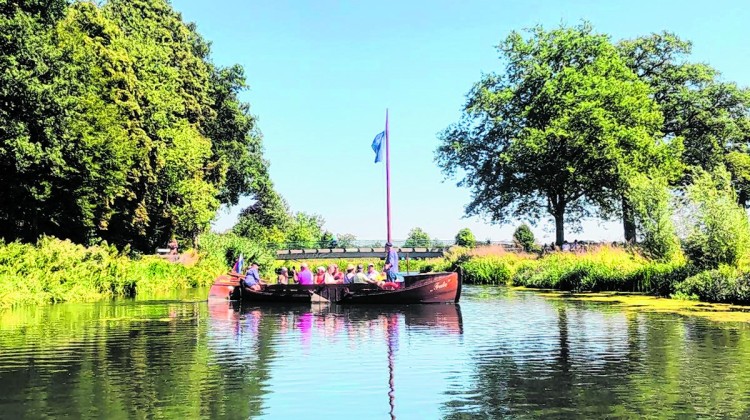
[(712, 117), (555, 132), (116, 124), (466, 238), (346, 240), (719, 231), (650, 198), (524, 237), (306, 231), (265, 221), (417, 238)]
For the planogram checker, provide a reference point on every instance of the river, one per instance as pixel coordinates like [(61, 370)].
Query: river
[(502, 353)]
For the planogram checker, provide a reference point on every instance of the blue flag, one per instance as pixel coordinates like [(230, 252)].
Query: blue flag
[(238, 265), (378, 146)]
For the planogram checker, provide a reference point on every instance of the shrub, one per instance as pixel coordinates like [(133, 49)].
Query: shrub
[(719, 230), (525, 238), (650, 200), (603, 269), (724, 284), (465, 238), (55, 271), (417, 238)]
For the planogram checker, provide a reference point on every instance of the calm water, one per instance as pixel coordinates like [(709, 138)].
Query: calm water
[(502, 353)]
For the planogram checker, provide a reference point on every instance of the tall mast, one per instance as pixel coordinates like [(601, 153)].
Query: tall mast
[(388, 174)]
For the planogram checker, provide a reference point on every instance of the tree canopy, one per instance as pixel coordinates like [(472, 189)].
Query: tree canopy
[(559, 130), (115, 124), (710, 115), (465, 237), (417, 238)]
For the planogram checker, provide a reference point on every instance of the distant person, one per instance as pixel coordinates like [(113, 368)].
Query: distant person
[(293, 275), (336, 273), (305, 276), (320, 275), (172, 246), (283, 276), (359, 276), (391, 265), (349, 276), (252, 278), (372, 274), (333, 275)]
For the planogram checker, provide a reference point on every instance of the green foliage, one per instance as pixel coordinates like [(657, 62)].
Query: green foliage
[(306, 231), (266, 221), (58, 271), (417, 238), (525, 238), (719, 231), (223, 249), (723, 284), (466, 238), (555, 131), (649, 198), (346, 240), (711, 116), (605, 269), (117, 125), (490, 269)]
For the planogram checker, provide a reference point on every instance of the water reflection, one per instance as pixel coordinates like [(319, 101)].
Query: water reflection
[(304, 329), (502, 354)]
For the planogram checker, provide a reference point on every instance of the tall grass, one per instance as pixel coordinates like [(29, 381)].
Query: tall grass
[(56, 271), (611, 269)]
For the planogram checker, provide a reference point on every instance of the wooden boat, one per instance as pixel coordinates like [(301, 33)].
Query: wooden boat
[(442, 287)]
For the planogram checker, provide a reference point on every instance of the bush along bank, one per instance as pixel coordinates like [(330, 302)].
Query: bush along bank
[(604, 269), (53, 270)]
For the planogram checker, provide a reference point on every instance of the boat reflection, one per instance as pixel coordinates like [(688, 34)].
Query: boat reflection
[(332, 319), (254, 326)]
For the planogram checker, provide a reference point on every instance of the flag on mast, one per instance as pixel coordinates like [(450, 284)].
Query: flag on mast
[(238, 264), (378, 146)]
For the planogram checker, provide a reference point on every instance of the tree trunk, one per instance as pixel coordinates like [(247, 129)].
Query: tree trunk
[(742, 198), (628, 221), (559, 227)]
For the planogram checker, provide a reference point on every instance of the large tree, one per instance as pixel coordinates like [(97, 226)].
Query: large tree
[(710, 115), (557, 131), (115, 124)]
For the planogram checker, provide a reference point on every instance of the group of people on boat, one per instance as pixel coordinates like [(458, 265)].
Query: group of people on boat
[(386, 279)]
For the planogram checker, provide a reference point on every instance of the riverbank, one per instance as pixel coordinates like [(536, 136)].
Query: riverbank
[(598, 270), (59, 271)]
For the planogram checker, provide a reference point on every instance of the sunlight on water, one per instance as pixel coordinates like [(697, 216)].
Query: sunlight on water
[(502, 353)]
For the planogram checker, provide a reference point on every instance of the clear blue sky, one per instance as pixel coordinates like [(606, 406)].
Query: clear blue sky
[(322, 73)]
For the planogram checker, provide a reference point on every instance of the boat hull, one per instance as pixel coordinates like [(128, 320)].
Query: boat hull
[(418, 288)]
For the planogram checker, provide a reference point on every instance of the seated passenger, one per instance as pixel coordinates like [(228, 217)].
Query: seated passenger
[(337, 274), (330, 275), (283, 276), (360, 277), (252, 279), (320, 275), (305, 276), (349, 276), (373, 276)]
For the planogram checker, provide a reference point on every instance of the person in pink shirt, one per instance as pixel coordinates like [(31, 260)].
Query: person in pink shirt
[(304, 276)]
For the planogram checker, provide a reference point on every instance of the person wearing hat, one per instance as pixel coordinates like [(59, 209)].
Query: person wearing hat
[(360, 276), (391, 263), (372, 274), (252, 278), (349, 276)]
